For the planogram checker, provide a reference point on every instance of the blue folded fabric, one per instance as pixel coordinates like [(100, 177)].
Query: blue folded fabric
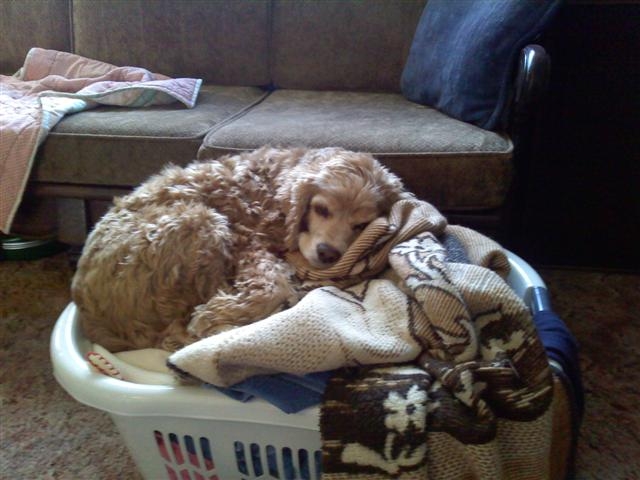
[(562, 347), (290, 393)]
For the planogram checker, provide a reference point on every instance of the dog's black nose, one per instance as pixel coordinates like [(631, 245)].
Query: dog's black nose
[(327, 254)]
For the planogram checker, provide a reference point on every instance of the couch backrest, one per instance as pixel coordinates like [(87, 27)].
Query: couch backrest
[(342, 44), (222, 41), (32, 23), (303, 44)]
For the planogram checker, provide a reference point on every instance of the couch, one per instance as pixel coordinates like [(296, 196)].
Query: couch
[(282, 72)]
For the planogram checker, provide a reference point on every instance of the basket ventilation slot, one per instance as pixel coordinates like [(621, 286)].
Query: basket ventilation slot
[(186, 458), (269, 462)]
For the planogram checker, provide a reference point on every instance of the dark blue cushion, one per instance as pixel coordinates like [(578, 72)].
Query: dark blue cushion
[(464, 52)]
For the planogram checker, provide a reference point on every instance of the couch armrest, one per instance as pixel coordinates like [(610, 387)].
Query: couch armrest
[(532, 81), (529, 91)]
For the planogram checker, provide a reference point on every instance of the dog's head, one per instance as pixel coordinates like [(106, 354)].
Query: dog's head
[(333, 194)]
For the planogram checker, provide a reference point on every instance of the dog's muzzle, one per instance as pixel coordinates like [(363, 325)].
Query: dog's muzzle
[(327, 254)]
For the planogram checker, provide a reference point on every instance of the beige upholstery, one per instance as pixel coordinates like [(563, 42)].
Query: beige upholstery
[(282, 72), (27, 23), (453, 164), (121, 146), (222, 41), (342, 45)]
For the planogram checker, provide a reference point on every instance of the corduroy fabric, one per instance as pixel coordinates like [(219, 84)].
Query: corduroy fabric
[(406, 219)]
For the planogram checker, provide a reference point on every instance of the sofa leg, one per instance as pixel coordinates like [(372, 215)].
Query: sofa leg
[(36, 217)]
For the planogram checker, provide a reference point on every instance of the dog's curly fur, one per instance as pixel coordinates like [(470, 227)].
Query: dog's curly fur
[(197, 250)]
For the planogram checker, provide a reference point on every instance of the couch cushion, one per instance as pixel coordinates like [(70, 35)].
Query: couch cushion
[(455, 165), (224, 42), (28, 24), (122, 146), (365, 49), (464, 53)]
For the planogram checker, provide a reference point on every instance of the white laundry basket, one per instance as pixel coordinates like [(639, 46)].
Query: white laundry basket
[(189, 432)]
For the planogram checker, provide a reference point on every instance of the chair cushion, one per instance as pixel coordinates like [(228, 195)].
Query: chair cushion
[(118, 146), (463, 54), (454, 165)]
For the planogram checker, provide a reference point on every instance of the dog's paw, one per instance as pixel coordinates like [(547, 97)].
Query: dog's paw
[(174, 337), (205, 323), (172, 344)]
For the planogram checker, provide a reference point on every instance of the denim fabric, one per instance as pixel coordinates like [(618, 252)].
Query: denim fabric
[(290, 393), (464, 52)]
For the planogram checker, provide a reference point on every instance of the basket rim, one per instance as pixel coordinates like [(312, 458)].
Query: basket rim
[(68, 348), (119, 397)]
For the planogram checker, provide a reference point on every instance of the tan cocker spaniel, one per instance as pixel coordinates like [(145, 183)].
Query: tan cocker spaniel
[(197, 250)]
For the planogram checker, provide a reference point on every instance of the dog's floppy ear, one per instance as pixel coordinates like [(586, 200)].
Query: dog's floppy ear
[(294, 198), (391, 189), (389, 186)]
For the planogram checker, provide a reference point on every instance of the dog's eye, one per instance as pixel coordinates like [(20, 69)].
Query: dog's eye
[(321, 210), (359, 227), (304, 226)]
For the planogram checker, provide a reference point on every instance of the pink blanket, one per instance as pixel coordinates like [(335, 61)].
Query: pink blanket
[(53, 84)]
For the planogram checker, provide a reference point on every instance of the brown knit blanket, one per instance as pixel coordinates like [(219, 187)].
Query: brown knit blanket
[(452, 380)]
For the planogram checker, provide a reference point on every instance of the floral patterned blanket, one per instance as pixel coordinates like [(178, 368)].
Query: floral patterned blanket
[(442, 376), (473, 404)]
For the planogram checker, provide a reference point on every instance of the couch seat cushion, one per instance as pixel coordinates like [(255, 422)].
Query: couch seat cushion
[(118, 146), (455, 165)]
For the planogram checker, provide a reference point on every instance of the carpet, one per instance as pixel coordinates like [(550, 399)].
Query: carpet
[(45, 434)]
